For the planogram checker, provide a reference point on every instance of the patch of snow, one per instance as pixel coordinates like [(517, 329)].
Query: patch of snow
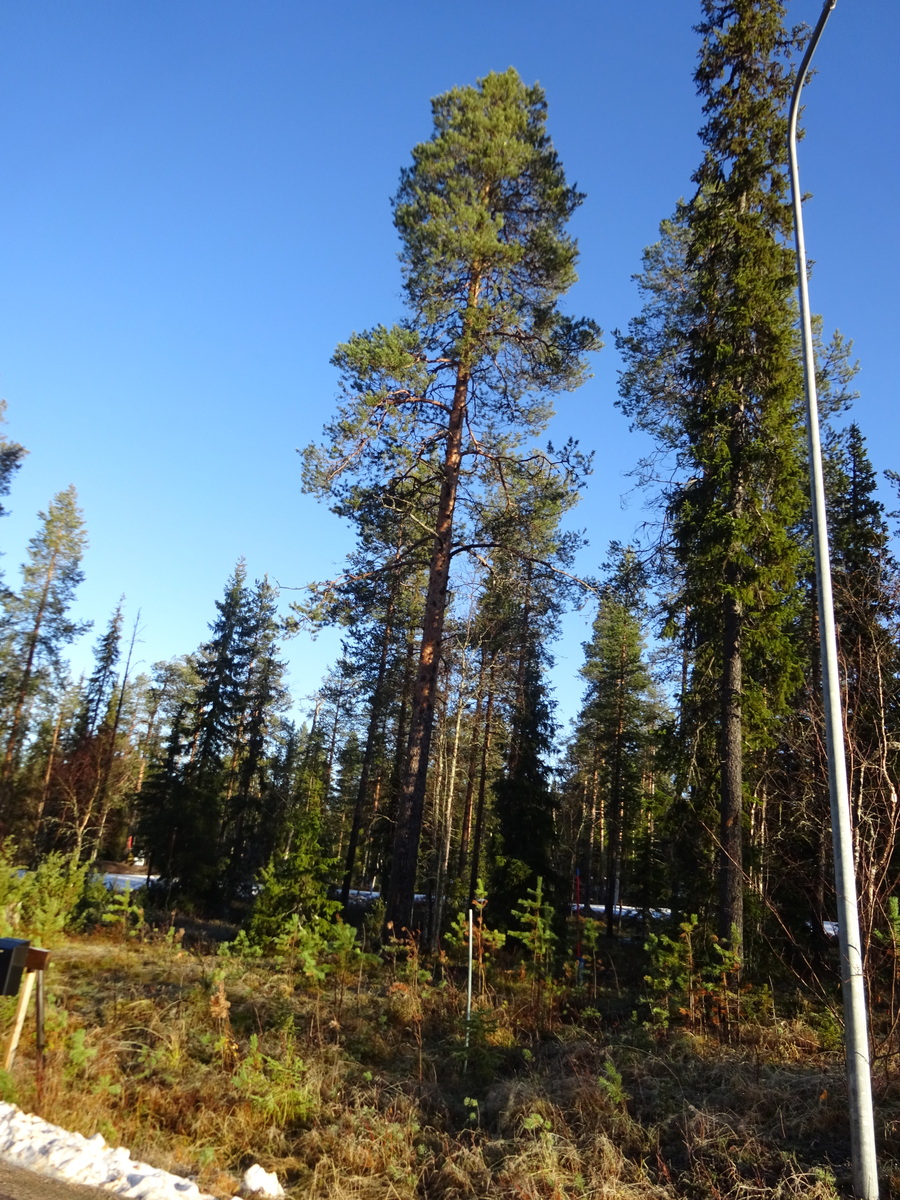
[(624, 910), (262, 1183), (30, 1142), (118, 883)]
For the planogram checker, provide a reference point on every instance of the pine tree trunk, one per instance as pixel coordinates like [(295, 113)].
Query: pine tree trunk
[(411, 807), (45, 792), (591, 805), (12, 744)]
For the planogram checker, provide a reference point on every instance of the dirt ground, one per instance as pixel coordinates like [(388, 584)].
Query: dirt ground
[(18, 1184)]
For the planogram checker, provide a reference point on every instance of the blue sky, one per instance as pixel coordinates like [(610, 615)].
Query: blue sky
[(195, 210)]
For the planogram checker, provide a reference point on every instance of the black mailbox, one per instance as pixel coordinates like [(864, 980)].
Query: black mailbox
[(13, 956)]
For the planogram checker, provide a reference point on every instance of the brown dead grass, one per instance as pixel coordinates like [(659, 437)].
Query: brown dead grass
[(202, 1065)]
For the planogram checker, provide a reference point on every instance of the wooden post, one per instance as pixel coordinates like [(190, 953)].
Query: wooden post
[(24, 997), (34, 966)]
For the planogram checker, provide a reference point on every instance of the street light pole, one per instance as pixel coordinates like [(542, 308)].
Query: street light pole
[(856, 1037)]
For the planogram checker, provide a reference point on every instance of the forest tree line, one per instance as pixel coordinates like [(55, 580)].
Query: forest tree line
[(430, 763)]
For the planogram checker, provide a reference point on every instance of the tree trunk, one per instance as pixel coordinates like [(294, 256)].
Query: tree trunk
[(433, 802), (731, 842), (471, 764), (45, 792), (616, 817), (445, 824), (482, 788), (9, 758), (362, 790), (411, 807), (591, 806), (105, 798)]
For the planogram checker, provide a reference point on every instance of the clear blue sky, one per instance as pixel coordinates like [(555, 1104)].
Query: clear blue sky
[(195, 210)]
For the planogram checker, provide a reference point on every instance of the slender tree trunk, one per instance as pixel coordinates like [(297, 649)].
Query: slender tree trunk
[(372, 850), (591, 805), (307, 756), (105, 799), (731, 842), (472, 763), (482, 788), (616, 819), (12, 743), (525, 647), (446, 824), (45, 791), (731, 833), (81, 822), (332, 742), (362, 790), (601, 836), (685, 669), (435, 797), (401, 736)]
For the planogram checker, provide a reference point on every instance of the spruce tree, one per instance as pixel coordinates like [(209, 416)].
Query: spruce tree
[(100, 686), (524, 797), (725, 355), (221, 665), (613, 730), (523, 598), (161, 815), (205, 807), (262, 698), (454, 390)]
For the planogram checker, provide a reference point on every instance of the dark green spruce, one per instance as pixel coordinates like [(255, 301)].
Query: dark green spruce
[(712, 372)]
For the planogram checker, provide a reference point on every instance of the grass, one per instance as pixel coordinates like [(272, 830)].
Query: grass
[(349, 1076)]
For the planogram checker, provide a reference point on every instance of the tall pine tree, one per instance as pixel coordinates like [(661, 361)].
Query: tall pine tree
[(38, 624), (458, 387)]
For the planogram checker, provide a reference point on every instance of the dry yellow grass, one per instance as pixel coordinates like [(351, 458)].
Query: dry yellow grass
[(360, 1089)]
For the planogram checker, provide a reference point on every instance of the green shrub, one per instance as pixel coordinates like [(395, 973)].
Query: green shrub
[(124, 911), (42, 903), (535, 917), (289, 886), (92, 905), (691, 982)]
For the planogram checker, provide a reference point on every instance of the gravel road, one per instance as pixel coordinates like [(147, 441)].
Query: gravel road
[(18, 1184)]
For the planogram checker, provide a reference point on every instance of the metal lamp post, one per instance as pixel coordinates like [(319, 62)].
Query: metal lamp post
[(862, 1132)]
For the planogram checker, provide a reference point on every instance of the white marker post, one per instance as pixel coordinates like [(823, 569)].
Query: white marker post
[(469, 999)]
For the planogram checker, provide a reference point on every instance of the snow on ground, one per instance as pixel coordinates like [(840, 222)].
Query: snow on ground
[(118, 882), (30, 1142)]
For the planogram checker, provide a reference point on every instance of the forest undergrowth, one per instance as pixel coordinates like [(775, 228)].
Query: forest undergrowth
[(347, 1069)]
